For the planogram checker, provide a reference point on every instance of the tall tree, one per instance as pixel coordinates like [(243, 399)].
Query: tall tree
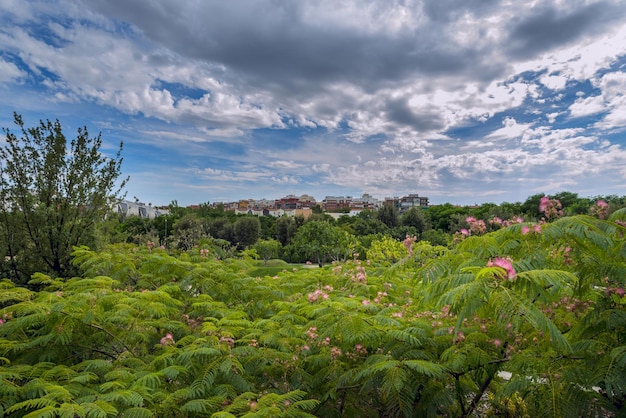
[(416, 218), (285, 229), (247, 231), (388, 215), (53, 194)]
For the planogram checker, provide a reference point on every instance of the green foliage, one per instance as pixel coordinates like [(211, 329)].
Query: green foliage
[(386, 251), (388, 215), (522, 321), (268, 249), (53, 194), (320, 241), (247, 231)]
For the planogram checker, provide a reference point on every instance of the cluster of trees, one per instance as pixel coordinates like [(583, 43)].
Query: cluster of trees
[(525, 321), (190, 315), (322, 238)]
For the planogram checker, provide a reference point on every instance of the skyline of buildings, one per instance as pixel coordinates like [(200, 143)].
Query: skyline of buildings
[(290, 205)]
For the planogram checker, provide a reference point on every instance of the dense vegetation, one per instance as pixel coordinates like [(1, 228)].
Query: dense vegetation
[(498, 310)]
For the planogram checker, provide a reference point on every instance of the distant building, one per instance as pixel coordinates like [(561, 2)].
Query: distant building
[(405, 203), (336, 202), (292, 202), (364, 202), (129, 208)]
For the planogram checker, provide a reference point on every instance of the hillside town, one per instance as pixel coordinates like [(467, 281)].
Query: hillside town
[(289, 205)]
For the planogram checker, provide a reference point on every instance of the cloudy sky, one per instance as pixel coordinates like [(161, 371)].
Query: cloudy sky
[(463, 101)]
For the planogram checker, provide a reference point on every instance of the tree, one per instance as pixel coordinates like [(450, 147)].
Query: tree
[(188, 231), (267, 249), (388, 215), (285, 229), (53, 195), (441, 215), (367, 223), (416, 218), (247, 231), (320, 241)]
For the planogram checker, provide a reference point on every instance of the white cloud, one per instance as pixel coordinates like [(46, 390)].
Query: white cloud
[(9, 72), (554, 82), (587, 106), (511, 129)]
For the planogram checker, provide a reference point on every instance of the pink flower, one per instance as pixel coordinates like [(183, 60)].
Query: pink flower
[(167, 340), (525, 230), (497, 343), (360, 349), (505, 264), (408, 244), (464, 231), (601, 209), (365, 302), (335, 352)]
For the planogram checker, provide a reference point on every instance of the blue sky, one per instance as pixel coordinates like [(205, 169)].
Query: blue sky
[(463, 101)]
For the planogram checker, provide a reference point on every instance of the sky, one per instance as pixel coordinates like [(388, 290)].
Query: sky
[(462, 101)]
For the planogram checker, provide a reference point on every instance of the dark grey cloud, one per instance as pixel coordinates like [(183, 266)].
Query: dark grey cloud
[(399, 111), (450, 10), (271, 42), (548, 28)]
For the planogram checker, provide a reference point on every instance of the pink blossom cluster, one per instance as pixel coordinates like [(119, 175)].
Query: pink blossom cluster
[(360, 350), (527, 229), (498, 222), (167, 340), (318, 294), (563, 252), (477, 226), (192, 322), (335, 352), (445, 312), (551, 208), (227, 340), (311, 333), (619, 291), (360, 276), (379, 296), (503, 263), (600, 209), (569, 304), (408, 243), (204, 252)]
